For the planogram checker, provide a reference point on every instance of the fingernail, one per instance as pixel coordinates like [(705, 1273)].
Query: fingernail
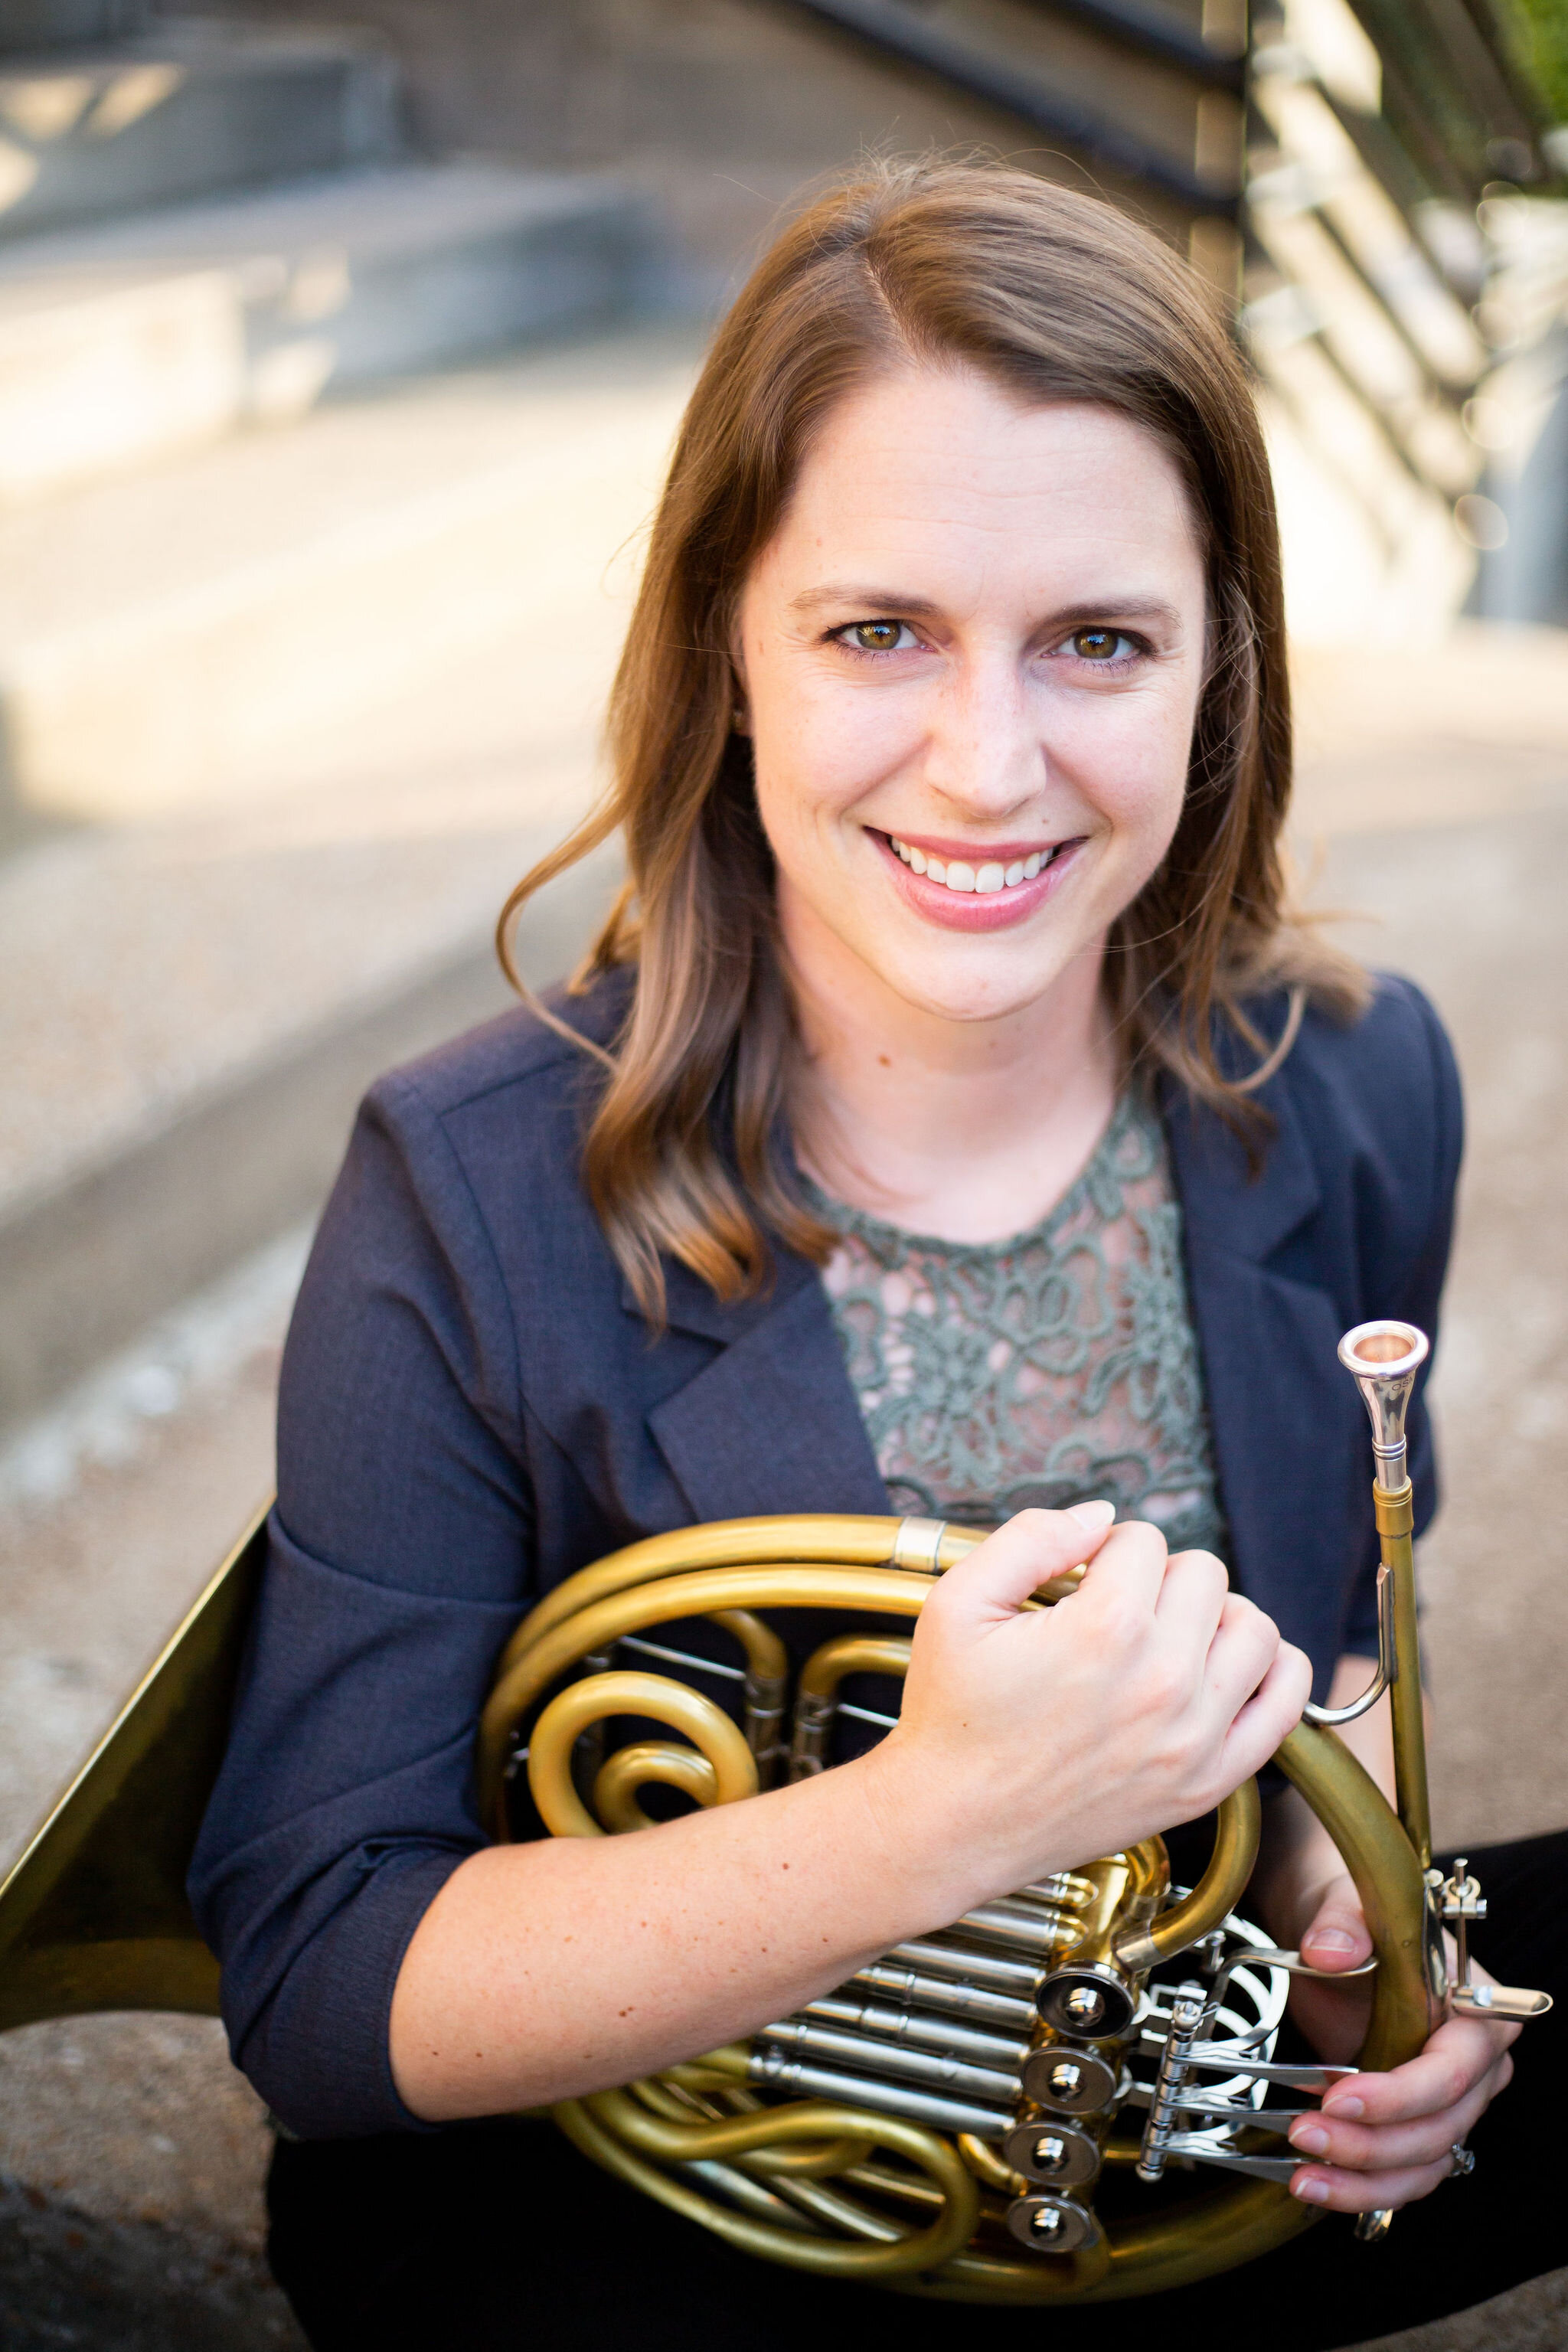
[(1312, 2137), (1310, 2188), (1345, 2110), (1331, 1939), (1093, 1515)]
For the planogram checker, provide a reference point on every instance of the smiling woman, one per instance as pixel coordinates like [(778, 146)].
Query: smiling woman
[(951, 1118), (963, 795), (969, 541)]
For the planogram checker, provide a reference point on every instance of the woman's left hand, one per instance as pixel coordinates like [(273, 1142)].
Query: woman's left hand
[(1384, 2140)]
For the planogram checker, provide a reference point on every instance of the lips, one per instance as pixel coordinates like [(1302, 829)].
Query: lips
[(977, 874), (994, 886)]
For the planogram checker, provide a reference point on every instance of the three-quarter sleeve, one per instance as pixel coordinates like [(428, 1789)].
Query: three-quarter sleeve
[(400, 1557)]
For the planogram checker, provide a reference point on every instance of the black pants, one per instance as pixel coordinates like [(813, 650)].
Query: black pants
[(501, 2234)]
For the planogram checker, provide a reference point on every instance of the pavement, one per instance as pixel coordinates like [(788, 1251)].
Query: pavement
[(1433, 821)]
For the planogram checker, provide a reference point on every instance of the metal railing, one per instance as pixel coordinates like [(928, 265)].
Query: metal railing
[(1328, 160)]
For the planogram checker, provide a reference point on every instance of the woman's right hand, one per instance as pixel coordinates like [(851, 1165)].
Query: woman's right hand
[(1032, 1740)]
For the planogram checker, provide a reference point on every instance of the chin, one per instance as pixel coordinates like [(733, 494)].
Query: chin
[(965, 995)]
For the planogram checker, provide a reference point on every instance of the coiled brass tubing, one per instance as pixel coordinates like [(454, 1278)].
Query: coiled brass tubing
[(698, 2123)]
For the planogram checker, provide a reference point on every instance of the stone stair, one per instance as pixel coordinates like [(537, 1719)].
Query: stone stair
[(207, 224), (307, 610), (194, 107), (177, 639), (190, 1004)]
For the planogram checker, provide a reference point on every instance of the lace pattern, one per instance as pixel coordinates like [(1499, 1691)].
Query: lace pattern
[(1040, 1370)]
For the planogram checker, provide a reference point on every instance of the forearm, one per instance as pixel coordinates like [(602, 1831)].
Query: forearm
[(545, 1971)]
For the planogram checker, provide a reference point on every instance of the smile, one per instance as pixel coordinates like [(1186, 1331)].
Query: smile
[(984, 879)]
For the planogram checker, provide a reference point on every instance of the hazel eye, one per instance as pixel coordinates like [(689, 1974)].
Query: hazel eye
[(1097, 645), (878, 636)]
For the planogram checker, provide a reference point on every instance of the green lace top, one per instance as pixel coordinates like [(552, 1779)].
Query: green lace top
[(1043, 1370)]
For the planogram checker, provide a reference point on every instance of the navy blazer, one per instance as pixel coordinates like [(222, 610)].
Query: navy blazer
[(471, 1409)]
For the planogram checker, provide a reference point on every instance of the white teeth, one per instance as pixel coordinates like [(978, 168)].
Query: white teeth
[(958, 876)]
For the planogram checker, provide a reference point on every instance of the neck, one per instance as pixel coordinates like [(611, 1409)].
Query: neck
[(971, 1130)]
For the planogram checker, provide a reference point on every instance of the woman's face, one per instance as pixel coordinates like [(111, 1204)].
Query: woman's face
[(970, 660)]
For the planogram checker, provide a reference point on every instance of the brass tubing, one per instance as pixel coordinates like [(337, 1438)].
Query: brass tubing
[(616, 2133), (1394, 1522), (809, 2163), (620, 1777), (1211, 2233), (766, 1685), (1214, 2233), (816, 1695), (880, 1592), (852, 1653), (708, 1726), (803, 2163), (836, 1538), (831, 2207), (765, 1653), (841, 1540), (1217, 1891), (977, 2003), (1381, 1861), (988, 2167), (904, 2061)]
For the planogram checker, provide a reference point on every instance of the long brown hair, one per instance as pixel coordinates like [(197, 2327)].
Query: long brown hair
[(1054, 296)]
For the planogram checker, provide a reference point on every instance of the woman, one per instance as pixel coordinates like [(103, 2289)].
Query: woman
[(951, 1117)]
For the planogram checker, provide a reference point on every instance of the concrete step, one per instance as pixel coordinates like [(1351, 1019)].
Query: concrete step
[(178, 640), (186, 109), (130, 340), (62, 24), (189, 1014), (414, 604)]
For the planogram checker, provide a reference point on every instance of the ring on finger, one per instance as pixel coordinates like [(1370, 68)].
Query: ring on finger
[(1461, 2161)]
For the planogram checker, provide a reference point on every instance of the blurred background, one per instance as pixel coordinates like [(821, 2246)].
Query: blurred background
[(340, 355)]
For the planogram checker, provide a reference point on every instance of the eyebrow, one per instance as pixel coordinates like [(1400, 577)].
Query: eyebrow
[(864, 598)]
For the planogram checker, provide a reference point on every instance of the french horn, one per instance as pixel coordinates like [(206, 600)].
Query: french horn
[(1010, 2109)]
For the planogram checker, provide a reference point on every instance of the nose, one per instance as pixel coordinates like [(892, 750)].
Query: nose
[(984, 753)]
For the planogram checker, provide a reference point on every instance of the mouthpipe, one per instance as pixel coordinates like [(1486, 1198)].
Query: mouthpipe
[(1384, 1358)]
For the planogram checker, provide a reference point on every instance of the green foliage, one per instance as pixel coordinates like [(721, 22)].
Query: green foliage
[(1539, 32)]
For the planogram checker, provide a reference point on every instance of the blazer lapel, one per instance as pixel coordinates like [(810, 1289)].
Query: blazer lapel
[(772, 1424), (1284, 1419)]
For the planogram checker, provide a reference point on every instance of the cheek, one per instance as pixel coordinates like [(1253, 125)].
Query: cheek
[(817, 753), (1131, 758)]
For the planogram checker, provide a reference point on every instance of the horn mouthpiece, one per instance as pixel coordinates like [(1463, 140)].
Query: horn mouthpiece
[(1384, 1358)]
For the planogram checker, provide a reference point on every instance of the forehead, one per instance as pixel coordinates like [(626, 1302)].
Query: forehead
[(940, 466)]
